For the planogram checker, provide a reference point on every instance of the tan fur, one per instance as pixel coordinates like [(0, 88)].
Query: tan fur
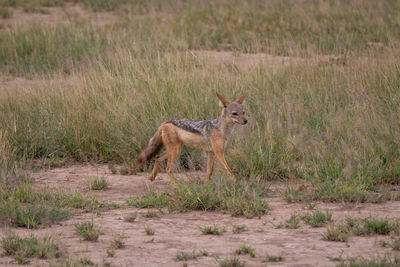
[(173, 137)]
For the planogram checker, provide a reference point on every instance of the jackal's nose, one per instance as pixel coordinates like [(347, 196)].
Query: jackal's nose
[(245, 121)]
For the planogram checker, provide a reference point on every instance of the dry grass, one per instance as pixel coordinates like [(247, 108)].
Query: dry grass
[(329, 124)]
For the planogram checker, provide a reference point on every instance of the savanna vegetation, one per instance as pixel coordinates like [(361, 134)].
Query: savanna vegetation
[(330, 119), (112, 85)]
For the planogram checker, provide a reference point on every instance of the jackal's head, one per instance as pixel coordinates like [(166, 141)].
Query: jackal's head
[(233, 110)]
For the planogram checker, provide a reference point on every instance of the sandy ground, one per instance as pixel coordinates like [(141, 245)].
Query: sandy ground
[(176, 232), (56, 15)]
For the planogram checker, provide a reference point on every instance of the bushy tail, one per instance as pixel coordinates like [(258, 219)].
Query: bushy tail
[(153, 147)]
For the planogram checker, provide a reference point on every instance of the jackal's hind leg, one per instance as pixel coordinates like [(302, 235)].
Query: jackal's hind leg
[(210, 165), (157, 163), (173, 154)]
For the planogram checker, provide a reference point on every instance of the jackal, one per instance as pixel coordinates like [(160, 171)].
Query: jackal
[(208, 135)]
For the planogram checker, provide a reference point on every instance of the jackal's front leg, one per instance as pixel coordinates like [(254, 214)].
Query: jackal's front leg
[(218, 146)]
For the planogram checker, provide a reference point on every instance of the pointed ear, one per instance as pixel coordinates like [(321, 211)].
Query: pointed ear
[(224, 102), (240, 99)]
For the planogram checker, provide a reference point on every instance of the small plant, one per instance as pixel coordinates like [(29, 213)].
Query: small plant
[(132, 217), (293, 221), (317, 218), (23, 248), (151, 199), (5, 12), (271, 258), (335, 234), (383, 243), (118, 243), (124, 170), (385, 261), (396, 244), (204, 252), (88, 231), (110, 253), (245, 249), (98, 183), (112, 168), (150, 214), (149, 230), (212, 230), (85, 261), (231, 262), (238, 228), (184, 256), (292, 195), (376, 226)]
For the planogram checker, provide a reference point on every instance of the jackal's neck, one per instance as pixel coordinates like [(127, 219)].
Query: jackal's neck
[(225, 125)]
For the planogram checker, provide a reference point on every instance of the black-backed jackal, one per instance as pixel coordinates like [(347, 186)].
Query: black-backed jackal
[(208, 135)]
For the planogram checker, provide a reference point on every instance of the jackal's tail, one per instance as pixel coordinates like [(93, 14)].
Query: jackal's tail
[(153, 147)]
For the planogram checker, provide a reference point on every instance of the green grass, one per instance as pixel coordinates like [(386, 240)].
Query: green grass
[(88, 230), (369, 226), (272, 258), (20, 206), (103, 134), (317, 218), (151, 214), (24, 248), (239, 228), (184, 256), (151, 199), (329, 125), (339, 234), (231, 262), (385, 261), (85, 261), (362, 227), (212, 229), (131, 217), (98, 183), (148, 230), (239, 199), (246, 249), (118, 243), (265, 26), (293, 221)]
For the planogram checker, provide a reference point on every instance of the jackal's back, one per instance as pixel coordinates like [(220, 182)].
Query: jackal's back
[(193, 126)]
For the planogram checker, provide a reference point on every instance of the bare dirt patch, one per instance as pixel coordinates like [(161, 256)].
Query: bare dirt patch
[(273, 61), (176, 232), (56, 15)]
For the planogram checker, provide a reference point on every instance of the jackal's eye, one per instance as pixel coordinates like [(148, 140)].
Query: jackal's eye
[(234, 114)]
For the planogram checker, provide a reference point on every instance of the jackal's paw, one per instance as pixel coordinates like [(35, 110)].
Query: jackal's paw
[(152, 177)]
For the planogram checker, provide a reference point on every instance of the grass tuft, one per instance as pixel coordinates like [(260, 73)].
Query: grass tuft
[(272, 258), (317, 218), (338, 233), (132, 217), (239, 228), (231, 262), (88, 230), (293, 222), (212, 230), (98, 183), (24, 248), (149, 230), (246, 249)]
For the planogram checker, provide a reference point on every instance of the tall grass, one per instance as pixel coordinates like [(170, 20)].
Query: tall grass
[(335, 126), (284, 28)]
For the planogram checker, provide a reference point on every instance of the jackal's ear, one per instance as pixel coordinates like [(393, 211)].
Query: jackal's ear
[(240, 99), (224, 102)]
